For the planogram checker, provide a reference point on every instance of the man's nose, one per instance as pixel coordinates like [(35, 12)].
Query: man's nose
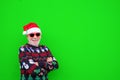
[(35, 36)]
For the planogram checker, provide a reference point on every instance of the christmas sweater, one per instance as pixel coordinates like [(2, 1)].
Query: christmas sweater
[(28, 55)]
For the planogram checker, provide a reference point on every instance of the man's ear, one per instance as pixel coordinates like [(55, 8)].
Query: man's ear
[(26, 35)]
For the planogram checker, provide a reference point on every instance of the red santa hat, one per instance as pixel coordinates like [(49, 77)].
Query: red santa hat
[(30, 28)]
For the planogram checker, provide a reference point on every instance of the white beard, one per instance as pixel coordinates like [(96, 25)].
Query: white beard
[(34, 42)]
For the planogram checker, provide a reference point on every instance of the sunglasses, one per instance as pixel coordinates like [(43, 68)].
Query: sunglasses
[(32, 34)]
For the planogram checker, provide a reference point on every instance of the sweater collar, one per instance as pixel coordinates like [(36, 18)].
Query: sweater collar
[(32, 45)]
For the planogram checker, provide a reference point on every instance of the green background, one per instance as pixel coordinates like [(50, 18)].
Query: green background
[(83, 35)]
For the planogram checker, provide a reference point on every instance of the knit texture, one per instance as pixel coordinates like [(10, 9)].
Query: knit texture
[(28, 55)]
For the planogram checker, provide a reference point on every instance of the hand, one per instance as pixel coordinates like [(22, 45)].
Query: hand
[(49, 59), (36, 63)]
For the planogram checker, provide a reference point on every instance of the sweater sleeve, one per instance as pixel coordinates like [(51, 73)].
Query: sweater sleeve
[(26, 63), (53, 64)]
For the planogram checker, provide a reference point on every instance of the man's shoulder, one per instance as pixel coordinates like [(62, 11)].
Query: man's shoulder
[(44, 47), (22, 48)]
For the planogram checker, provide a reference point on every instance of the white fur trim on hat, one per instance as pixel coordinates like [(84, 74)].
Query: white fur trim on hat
[(24, 32), (31, 31)]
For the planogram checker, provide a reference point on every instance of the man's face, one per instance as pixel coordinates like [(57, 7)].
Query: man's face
[(34, 38)]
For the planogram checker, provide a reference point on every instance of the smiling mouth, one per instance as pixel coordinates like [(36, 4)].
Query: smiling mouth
[(34, 40)]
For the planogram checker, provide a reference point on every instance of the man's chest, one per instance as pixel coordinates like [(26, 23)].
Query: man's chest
[(37, 56)]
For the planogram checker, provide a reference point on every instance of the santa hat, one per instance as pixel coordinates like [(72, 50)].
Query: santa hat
[(30, 28)]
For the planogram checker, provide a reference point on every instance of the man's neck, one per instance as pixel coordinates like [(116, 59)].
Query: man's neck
[(33, 44)]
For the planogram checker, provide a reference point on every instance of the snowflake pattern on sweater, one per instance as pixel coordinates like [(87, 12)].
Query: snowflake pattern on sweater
[(28, 55)]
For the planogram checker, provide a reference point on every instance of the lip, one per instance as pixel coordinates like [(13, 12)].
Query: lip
[(34, 40)]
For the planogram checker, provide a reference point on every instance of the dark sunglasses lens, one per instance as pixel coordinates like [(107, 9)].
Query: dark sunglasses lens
[(37, 34), (31, 35)]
